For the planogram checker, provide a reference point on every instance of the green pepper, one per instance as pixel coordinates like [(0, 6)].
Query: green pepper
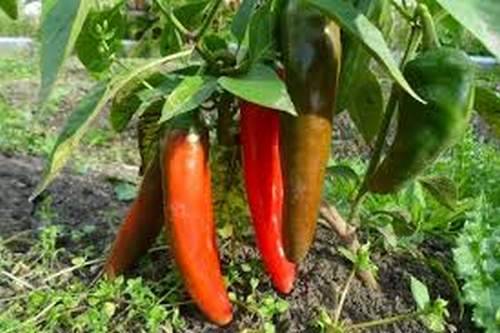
[(311, 50), (443, 77)]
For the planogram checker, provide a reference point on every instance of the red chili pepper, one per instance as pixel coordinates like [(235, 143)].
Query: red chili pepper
[(190, 221), (141, 226), (264, 186)]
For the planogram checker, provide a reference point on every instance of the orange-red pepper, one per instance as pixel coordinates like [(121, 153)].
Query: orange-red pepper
[(190, 221)]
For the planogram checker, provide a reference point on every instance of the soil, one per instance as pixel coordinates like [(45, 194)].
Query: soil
[(89, 200)]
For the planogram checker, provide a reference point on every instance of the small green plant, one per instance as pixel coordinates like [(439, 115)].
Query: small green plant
[(477, 259)]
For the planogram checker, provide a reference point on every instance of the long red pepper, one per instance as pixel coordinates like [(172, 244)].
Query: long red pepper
[(141, 226), (190, 221), (260, 141)]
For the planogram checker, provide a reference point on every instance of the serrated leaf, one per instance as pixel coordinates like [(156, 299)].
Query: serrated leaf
[(477, 257), (487, 104), (443, 189), (480, 17), (420, 293), (188, 95), (10, 8), (262, 86), (60, 28), (100, 38), (87, 110), (366, 107), (242, 18), (360, 28)]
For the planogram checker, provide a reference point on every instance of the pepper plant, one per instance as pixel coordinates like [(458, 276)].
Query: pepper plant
[(266, 78)]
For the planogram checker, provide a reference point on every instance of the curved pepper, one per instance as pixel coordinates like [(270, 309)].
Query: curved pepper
[(190, 221), (141, 226), (311, 52), (264, 186), (444, 77)]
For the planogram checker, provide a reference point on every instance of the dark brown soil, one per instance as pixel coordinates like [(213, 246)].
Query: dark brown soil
[(89, 200)]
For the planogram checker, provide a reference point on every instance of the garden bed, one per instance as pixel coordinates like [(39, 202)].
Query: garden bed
[(82, 201)]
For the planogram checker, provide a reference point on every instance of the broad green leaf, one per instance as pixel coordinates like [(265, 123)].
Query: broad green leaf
[(242, 18), (71, 134), (100, 38), (420, 293), (47, 6), (443, 189), (356, 60), (262, 86), (260, 34), (366, 107), (60, 28), (9, 7), (360, 28), (87, 110), (487, 103), (480, 17), (187, 96)]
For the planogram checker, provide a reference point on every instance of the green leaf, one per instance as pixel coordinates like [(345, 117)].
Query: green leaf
[(71, 134), (127, 101), (148, 134), (443, 189), (420, 293), (260, 34), (60, 28), (480, 17), (360, 28), (125, 191), (242, 18), (10, 8), (188, 95), (87, 110), (356, 60), (366, 107), (262, 86), (477, 258), (487, 104), (343, 171), (100, 38)]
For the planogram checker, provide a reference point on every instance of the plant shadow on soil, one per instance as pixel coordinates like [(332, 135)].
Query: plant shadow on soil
[(86, 200)]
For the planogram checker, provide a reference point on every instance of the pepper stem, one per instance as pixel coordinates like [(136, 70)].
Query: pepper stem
[(431, 40)]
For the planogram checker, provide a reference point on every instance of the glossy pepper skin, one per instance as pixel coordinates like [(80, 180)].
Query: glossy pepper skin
[(141, 226), (190, 221), (311, 56), (443, 77), (260, 144)]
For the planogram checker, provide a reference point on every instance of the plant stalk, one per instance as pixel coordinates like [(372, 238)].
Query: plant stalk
[(385, 321), (343, 297), (210, 17)]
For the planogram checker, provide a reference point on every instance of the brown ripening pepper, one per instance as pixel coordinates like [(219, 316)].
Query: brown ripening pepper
[(141, 226), (311, 50)]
